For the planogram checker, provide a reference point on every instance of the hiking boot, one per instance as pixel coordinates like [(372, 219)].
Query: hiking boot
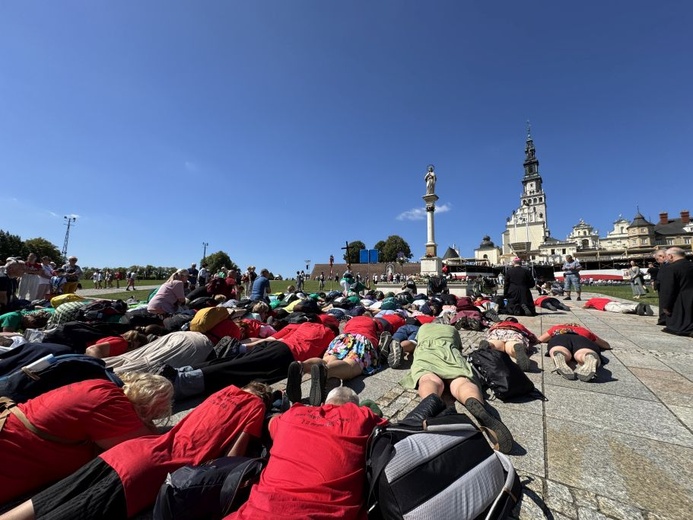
[(521, 357), (384, 346), (588, 370), (495, 427), (648, 310), (562, 367), (430, 406), (567, 298), (493, 316), (461, 323), (293, 382), (394, 358), (550, 307), (318, 383)]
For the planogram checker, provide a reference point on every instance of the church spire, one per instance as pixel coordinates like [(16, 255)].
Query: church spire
[(531, 163)]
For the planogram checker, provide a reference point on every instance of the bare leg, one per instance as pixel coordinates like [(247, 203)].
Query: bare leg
[(580, 355), (24, 511), (462, 389), (343, 369), (408, 345), (562, 350), (430, 384)]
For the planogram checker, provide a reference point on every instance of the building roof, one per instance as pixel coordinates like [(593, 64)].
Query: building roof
[(639, 221), (450, 253)]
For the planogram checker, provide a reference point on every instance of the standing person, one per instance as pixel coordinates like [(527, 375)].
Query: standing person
[(132, 276), (44, 287), (321, 279), (73, 273), (28, 284), (299, 281), (571, 277), (117, 276), (203, 275), (261, 287), (636, 280), (660, 257), (518, 282), (192, 276), (653, 271), (676, 293)]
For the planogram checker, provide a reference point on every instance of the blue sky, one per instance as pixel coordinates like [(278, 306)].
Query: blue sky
[(276, 130)]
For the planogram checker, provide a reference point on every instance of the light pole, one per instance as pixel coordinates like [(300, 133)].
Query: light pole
[(204, 250), (307, 265), (69, 219)]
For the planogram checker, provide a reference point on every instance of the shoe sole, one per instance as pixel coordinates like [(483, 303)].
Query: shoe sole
[(384, 346), (588, 370), (318, 381), (394, 358), (521, 357), (293, 382), (502, 436), (563, 368)]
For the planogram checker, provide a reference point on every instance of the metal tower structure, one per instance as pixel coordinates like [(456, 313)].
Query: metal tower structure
[(68, 222)]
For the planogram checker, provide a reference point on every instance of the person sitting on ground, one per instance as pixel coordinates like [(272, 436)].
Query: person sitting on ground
[(54, 434), (170, 295), (125, 480), (316, 467), (116, 345), (265, 360), (518, 282), (513, 338), (609, 305), (261, 287), (569, 341), (550, 303), (353, 353), (439, 365)]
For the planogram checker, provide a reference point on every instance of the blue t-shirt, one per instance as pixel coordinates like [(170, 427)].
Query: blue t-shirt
[(261, 287)]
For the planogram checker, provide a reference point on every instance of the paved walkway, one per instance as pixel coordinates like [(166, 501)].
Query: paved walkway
[(617, 448)]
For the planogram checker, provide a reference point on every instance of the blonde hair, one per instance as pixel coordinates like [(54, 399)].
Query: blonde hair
[(261, 308), (151, 395), (135, 339), (219, 298), (178, 274)]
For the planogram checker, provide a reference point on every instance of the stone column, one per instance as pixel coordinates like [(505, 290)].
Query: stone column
[(430, 263)]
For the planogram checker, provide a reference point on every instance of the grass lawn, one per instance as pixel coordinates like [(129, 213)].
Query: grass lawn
[(141, 295), (89, 284), (621, 291)]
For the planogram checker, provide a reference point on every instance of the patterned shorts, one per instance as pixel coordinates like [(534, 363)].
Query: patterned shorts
[(356, 347), (506, 335)]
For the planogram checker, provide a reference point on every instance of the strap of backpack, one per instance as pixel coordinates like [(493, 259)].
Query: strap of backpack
[(8, 406), (375, 465)]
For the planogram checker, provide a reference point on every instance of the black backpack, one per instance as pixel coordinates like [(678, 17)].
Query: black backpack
[(496, 371), (51, 372), (211, 491), (447, 470), (102, 310)]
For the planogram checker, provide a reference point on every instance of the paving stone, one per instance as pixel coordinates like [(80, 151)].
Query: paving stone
[(670, 387), (684, 414), (590, 514), (648, 419), (584, 499), (558, 491), (633, 359), (528, 432), (619, 510), (568, 509)]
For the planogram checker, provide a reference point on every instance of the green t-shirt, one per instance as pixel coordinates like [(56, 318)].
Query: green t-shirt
[(13, 320)]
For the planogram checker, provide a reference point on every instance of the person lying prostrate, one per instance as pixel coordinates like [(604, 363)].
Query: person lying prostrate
[(570, 341)]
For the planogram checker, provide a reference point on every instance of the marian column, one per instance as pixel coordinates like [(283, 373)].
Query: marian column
[(430, 263)]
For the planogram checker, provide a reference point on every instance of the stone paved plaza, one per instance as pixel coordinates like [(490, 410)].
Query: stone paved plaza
[(619, 447)]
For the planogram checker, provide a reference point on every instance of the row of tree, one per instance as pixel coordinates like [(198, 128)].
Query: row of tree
[(13, 245), (394, 249)]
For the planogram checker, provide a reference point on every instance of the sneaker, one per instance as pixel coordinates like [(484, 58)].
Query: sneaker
[(484, 345), (502, 437), (578, 299), (461, 323), (588, 370), (562, 367), (550, 307), (384, 346), (293, 382), (318, 382), (521, 357), (493, 316), (648, 310), (567, 298), (394, 358)]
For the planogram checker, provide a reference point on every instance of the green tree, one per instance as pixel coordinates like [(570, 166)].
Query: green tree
[(220, 259), (11, 245), (354, 248), (393, 248), (42, 247)]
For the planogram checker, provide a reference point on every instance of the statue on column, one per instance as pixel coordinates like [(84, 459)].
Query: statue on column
[(430, 179)]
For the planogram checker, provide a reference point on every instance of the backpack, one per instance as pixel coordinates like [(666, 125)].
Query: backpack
[(212, 490), (447, 470), (102, 310), (51, 372), (496, 370), (208, 318)]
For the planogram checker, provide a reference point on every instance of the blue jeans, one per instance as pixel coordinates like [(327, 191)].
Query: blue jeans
[(571, 280), (406, 332)]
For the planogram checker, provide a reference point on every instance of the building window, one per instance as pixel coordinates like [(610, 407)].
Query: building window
[(687, 241), (670, 241)]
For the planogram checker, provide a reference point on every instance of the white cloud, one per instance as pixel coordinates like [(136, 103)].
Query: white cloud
[(420, 213)]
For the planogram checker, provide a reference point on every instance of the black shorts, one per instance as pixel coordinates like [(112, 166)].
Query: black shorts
[(573, 342), (93, 491)]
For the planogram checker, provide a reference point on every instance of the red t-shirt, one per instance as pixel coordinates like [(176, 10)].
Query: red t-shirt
[(316, 467), (117, 345), (424, 318), (223, 328), (538, 301), (568, 328), (597, 303), (204, 434), (395, 320), (365, 326), (90, 410), (305, 340)]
